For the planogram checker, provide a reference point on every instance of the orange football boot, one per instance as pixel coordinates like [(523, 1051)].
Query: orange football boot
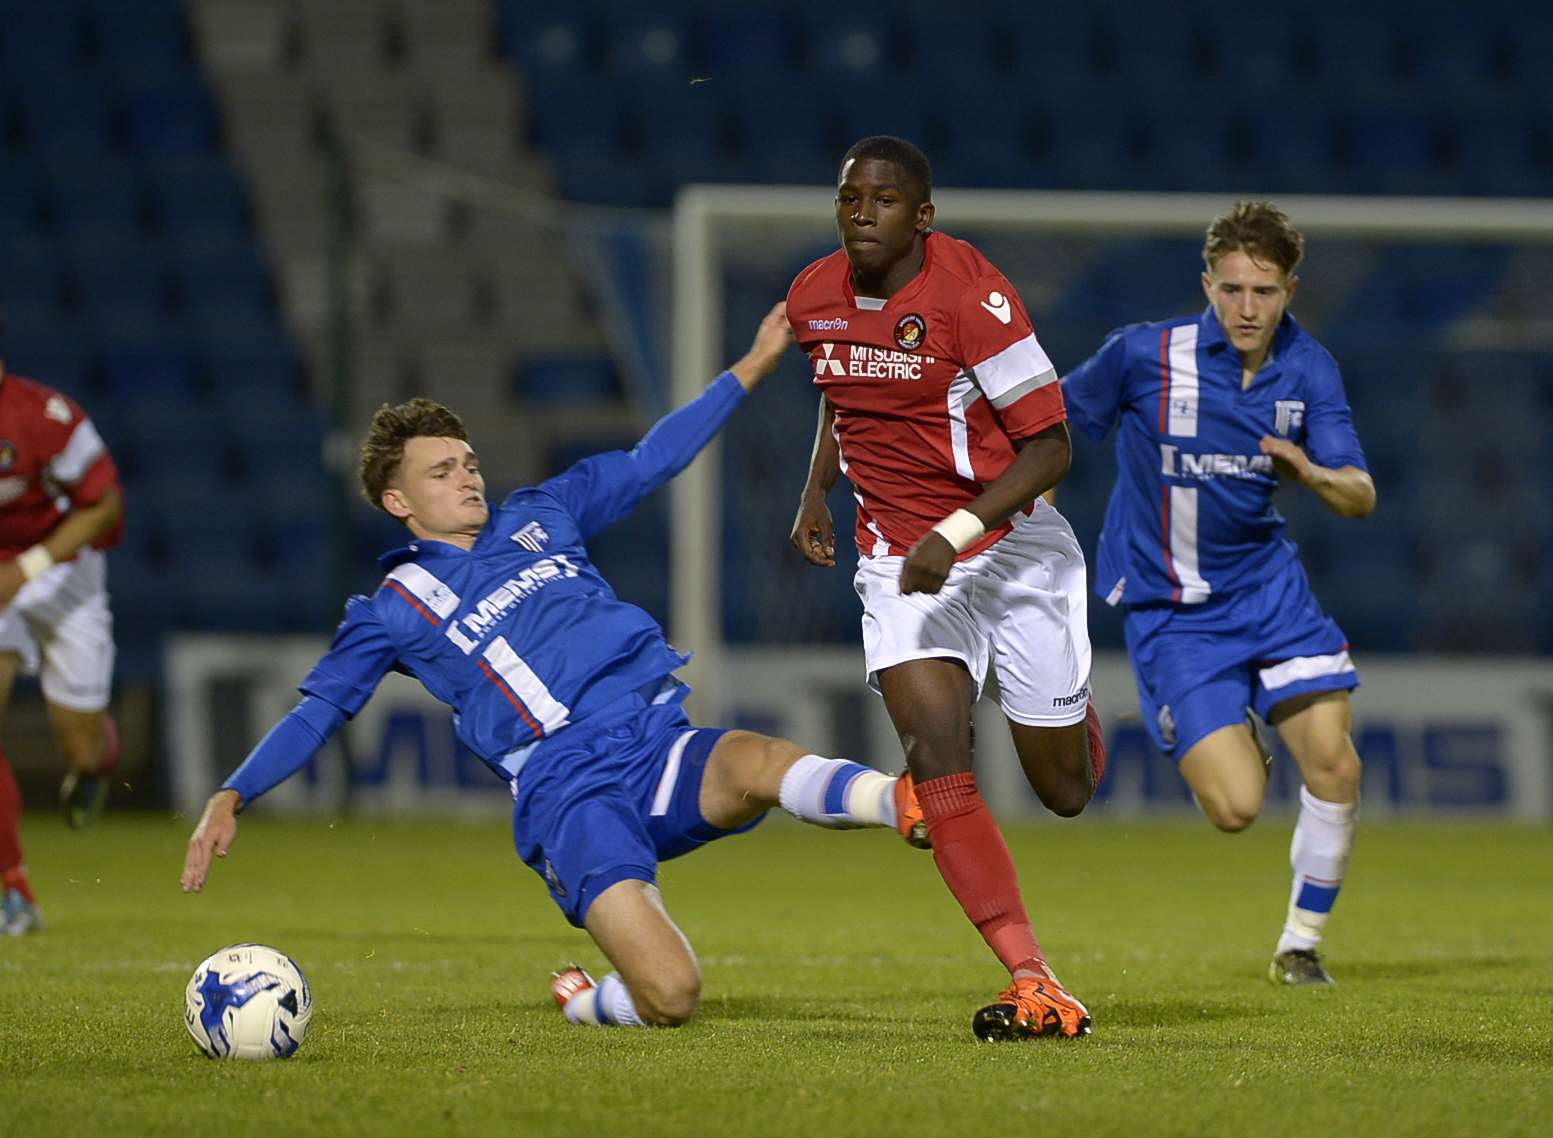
[(1032, 1006), (908, 813)]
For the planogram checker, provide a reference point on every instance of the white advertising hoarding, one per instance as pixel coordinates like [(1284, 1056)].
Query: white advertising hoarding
[(1462, 736)]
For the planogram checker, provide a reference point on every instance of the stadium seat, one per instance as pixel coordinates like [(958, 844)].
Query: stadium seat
[(43, 39), (650, 43), (202, 195), (568, 379), (748, 40), (153, 370), (171, 118)]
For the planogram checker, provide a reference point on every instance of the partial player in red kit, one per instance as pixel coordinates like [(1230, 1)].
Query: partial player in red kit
[(946, 416), (60, 507)]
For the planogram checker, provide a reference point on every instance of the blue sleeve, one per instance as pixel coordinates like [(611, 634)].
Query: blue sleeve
[(1330, 438), (606, 487), (361, 655), (287, 748), (1093, 390)]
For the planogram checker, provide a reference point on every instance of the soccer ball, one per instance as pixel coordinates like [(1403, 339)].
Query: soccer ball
[(248, 1001)]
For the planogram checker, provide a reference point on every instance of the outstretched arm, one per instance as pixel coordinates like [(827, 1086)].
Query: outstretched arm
[(604, 488), (814, 532), (1348, 491), (288, 747)]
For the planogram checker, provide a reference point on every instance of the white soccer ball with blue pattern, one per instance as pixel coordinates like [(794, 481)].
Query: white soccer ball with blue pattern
[(248, 1001)]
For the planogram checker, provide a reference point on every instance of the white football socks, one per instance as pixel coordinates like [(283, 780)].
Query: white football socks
[(1323, 841), (606, 1004), (838, 794)]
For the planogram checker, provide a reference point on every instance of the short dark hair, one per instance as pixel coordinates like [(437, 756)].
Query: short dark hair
[(393, 426), (1258, 229), (906, 156)]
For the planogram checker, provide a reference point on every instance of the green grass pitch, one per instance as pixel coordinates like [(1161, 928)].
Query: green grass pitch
[(839, 983)]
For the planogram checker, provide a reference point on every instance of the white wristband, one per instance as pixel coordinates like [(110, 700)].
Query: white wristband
[(35, 562), (961, 529)]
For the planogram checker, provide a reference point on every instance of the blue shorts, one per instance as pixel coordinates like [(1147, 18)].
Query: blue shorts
[(611, 802), (1199, 667)]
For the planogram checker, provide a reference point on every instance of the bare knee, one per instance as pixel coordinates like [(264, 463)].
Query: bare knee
[(1228, 814), (668, 1001), (1066, 797), (1334, 777)]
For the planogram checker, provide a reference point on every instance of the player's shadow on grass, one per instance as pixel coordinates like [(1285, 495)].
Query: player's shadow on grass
[(537, 945), (1177, 1011), (794, 1009), (1431, 968)]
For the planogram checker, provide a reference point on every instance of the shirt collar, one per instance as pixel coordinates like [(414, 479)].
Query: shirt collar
[(1212, 335), (421, 548)]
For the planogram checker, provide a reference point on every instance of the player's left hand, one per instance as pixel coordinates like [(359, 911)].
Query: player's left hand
[(211, 838), (11, 581), (927, 565), (1289, 460)]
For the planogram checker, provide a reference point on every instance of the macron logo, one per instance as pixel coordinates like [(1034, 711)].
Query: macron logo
[(824, 365), (998, 304), (834, 324)]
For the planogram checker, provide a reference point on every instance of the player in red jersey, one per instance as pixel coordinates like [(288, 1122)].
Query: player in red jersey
[(945, 414), (60, 507)]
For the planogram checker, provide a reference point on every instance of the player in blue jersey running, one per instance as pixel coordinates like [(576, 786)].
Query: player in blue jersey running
[(1211, 412), (561, 688)]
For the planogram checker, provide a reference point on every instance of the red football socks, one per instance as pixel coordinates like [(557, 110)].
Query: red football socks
[(11, 872), (1096, 743), (975, 864)]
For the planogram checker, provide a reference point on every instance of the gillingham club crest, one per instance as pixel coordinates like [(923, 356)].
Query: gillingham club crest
[(910, 331)]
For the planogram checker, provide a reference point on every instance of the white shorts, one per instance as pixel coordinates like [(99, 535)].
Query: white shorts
[(61, 620), (1022, 605)]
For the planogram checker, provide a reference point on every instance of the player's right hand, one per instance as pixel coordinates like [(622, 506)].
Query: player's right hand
[(814, 533), (213, 836)]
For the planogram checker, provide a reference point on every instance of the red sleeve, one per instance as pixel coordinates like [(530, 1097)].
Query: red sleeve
[(999, 348), (79, 462)]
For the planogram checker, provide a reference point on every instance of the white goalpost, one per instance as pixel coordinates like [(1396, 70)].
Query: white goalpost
[(708, 217)]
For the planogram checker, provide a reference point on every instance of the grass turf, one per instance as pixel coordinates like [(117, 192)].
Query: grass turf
[(839, 983)]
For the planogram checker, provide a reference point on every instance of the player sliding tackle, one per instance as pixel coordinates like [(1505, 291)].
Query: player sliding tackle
[(561, 688), (942, 409)]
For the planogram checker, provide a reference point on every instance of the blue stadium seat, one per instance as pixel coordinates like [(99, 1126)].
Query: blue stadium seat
[(676, 124), (1504, 153), (548, 44), (68, 118), (141, 42), (575, 111), (94, 190), (154, 369), (35, 271), (202, 201), (171, 118), (20, 203), (650, 42), (568, 379), (47, 352), (746, 40), (43, 39)]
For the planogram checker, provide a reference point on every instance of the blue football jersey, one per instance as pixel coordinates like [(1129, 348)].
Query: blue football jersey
[(1191, 515), (521, 635)]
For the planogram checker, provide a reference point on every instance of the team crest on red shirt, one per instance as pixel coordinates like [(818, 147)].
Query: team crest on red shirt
[(910, 331), (7, 455)]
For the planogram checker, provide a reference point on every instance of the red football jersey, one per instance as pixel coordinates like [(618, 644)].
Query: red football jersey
[(932, 389), (51, 460)]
